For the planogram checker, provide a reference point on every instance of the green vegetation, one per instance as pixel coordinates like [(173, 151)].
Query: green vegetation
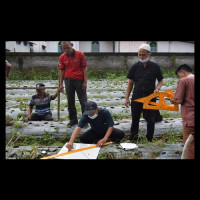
[(112, 77), (48, 139), (109, 74), (33, 75), (168, 73)]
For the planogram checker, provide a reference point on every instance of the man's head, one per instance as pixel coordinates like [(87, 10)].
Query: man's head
[(183, 71), (40, 90), (67, 47), (90, 108), (144, 53)]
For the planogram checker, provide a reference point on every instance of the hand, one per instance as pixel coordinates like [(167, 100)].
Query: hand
[(173, 100), (69, 146), (127, 103), (61, 89), (27, 118), (156, 90), (84, 86), (101, 142)]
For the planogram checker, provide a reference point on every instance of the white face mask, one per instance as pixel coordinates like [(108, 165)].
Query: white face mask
[(93, 117), (144, 60)]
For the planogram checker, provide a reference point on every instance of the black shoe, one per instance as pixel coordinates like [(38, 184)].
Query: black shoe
[(149, 139), (70, 124)]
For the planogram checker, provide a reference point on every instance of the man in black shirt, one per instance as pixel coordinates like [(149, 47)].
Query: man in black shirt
[(143, 75), (101, 123)]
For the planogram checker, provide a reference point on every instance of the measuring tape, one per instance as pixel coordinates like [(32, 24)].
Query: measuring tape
[(162, 105), (74, 151)]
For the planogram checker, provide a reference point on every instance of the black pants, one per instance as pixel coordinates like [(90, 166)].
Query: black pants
[(46, 117), (92, 136), (136, 110), (72, 86)]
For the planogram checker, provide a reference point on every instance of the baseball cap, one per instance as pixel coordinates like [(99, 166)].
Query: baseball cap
[(40, 85), (90, 107), (145, 46)]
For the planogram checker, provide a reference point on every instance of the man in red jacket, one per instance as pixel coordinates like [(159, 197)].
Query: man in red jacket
[(73, 70), (184, 95)]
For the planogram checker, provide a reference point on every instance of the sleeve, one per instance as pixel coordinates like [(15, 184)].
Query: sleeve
[(83, 60), (31, 103), (61, 65), (50, 97), (159, 75), (180, 90), (131, 73), (82, 121), (108, 118)]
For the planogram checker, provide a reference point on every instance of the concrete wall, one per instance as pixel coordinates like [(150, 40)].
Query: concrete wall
[(48, 61)]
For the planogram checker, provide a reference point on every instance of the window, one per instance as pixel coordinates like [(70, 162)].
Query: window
[(59, 47), (153, 45), (18, 42), (95, 46), (25, 43), (43, 47)]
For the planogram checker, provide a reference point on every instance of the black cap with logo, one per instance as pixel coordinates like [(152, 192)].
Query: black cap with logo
[(90, 107)]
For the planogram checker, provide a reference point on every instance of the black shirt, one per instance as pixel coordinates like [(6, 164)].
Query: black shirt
[(101, 123), (144, 78)]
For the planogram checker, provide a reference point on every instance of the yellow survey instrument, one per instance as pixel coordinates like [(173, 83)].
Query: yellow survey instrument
[(74, 151), (162, 105)]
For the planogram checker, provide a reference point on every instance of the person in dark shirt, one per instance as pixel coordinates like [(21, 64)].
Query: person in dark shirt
[(143, 75), (42, 103), (101, 123)]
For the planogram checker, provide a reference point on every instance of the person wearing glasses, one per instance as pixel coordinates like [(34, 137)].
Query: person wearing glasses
[(143, 76)]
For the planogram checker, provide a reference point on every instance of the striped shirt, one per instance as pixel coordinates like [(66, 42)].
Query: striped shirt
[(42, 106)]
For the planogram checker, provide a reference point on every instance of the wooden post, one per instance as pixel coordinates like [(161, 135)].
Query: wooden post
[(58, 109)]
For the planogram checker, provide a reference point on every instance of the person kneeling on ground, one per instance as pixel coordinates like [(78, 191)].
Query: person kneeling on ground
[(42, 103), (101, 123)]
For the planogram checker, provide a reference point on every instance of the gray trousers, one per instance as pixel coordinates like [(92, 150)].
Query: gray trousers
[(72, 86), (46, 117)]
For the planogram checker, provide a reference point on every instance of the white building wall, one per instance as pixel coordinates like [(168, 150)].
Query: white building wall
[(14, 47), (106, 46), (37, 46), (130, 46), (75, 45), (52, 46), (175, 46), (85, 46)]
